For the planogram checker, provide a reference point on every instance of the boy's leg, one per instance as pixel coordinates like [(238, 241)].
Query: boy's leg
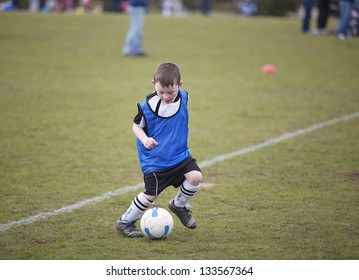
[(126, 223), (188, 189), (185, 193)]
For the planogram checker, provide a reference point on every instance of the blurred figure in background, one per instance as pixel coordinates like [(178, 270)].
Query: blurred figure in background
[(345, 8), (134, 38), (68, 5), (308, 6), (171, 8), (34, 6), (86, 5), (354, 21), (322, 21), (206, 7), (115, 6), (247, 8)]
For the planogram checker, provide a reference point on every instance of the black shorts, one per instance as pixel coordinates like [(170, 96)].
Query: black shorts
[(156, 182)]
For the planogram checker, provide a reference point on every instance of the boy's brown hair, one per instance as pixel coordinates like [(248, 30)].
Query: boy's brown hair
[(167, 74)]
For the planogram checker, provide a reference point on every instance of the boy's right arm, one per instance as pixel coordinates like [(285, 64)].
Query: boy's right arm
[(148, 142)]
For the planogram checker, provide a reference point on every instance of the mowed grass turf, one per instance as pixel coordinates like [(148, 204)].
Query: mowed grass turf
[(68, 98)]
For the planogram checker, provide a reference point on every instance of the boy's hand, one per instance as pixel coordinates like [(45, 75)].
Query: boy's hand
[(150, 143)]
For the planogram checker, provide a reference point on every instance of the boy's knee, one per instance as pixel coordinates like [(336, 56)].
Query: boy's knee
[(194, 178)]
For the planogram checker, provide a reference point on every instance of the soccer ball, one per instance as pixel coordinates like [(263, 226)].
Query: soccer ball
[(156, 223)]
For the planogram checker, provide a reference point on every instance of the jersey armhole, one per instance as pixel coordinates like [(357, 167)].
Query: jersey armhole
[(138, 117)]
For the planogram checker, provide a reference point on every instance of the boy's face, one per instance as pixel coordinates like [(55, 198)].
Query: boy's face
[(166, 94)]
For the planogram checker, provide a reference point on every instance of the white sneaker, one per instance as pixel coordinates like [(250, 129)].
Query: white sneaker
[(341, 36)]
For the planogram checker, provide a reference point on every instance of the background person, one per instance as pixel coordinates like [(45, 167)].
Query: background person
[(345, 8), (134, 38)]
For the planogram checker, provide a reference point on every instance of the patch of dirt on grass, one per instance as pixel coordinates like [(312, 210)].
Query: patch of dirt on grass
[(207, 185), (353, 176)]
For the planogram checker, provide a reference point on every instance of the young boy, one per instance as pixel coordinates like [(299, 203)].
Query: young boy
[(161, 128)]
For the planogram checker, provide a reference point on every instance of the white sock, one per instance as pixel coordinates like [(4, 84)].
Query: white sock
[(186, 192), (138, 205)]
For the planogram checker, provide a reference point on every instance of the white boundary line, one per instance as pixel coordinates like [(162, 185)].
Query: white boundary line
[(203, 164)]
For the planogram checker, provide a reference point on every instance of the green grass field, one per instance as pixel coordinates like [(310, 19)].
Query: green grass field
[(68, 98)]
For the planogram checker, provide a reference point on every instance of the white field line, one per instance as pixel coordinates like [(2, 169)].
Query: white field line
[(203, 164)]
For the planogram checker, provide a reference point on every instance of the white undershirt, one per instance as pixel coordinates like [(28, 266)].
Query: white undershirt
[(165, 110)]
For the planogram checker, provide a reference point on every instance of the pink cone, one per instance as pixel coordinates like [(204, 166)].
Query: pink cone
[(269, 69)]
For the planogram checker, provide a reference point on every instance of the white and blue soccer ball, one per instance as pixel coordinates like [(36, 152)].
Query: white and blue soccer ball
[(156, 223)]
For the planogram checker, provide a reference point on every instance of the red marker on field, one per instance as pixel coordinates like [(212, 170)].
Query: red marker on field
[(269, 69)]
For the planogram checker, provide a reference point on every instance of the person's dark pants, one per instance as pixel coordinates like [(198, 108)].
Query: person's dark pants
[(323, 7), (308, 5)]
